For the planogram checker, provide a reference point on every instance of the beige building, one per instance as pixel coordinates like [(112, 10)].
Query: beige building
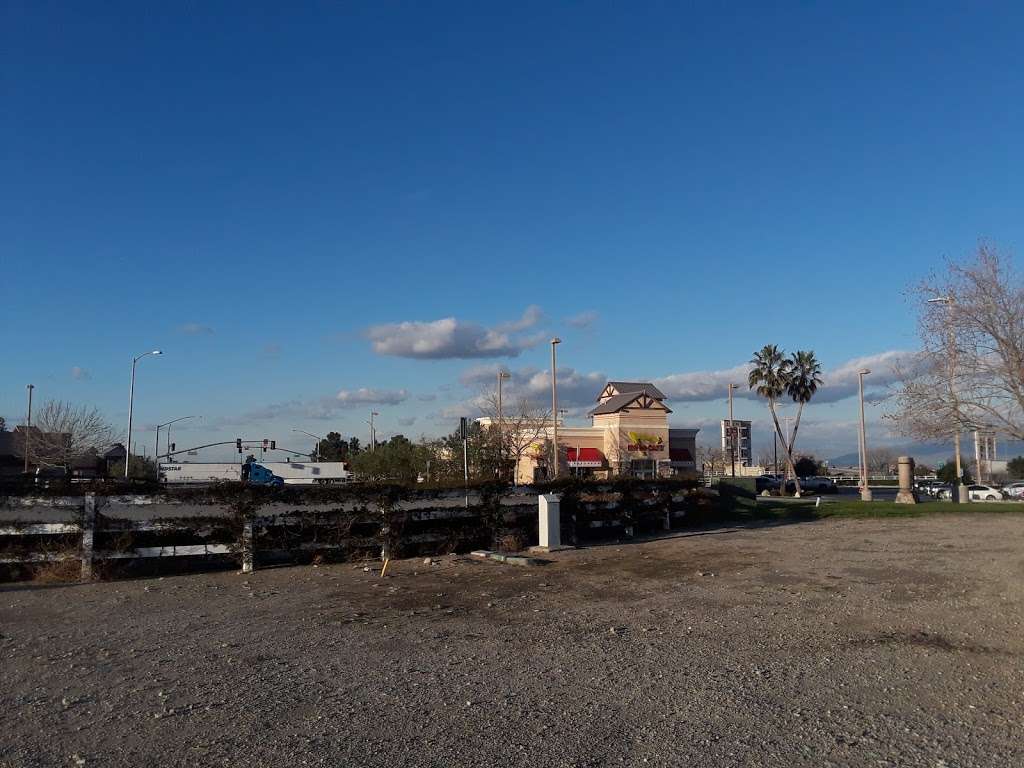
[(629, 436)]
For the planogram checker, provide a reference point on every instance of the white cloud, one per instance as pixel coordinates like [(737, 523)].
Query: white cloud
[(407, 421), (700, 386), (79, 373), (427, 397), (583, 319), (531, 316), (575, 388), (839, 383), (320, 409), (450, 338), (195, 329), (368, 396)]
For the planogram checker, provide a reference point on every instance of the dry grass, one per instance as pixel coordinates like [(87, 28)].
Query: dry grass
[(57, 572)]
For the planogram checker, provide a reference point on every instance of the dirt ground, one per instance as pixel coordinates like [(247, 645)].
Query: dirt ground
[(832, 643)]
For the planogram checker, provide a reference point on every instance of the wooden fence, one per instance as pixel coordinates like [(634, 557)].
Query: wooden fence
[(116, 536)]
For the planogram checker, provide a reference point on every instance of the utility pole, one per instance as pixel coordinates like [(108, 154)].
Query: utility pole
[(373, 432), (28, 424), (960, 494), (732, 432), (554, 405), (775, 449), (977, 457), (865, 491), (502, 375)]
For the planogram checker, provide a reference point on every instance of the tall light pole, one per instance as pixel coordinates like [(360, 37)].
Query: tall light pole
[(373, 432), (28, 424), (732, 432), (865, 491), (131, 403), (502, 375), (554, 404), (950, 302), (318, 441)]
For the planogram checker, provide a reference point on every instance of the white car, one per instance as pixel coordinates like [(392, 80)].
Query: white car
[(983, 493), (1014, 490)]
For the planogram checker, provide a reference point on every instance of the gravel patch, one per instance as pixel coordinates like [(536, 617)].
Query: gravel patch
[(831, 643)]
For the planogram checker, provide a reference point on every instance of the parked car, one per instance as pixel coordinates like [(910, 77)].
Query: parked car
[(814, 485), (767, 483), (1014, 491), (983, 493), (929, 487)]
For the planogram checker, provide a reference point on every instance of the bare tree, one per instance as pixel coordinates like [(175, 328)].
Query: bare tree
[(713, 460), (881, 460), (970, 370), (67, 431), (523, 424)]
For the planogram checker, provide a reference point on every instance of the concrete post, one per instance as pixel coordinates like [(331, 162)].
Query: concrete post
[(549, 526), (88, 535), (248, 547), (906, 493)]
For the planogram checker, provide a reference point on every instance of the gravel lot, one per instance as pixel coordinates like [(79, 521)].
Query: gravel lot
[(833, 643)]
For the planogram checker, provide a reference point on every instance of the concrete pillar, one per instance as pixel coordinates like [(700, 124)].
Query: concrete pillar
[(906, 493), (549, 525), (88, 535)]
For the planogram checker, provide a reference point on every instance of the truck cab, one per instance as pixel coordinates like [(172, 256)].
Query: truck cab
[(260, 475)]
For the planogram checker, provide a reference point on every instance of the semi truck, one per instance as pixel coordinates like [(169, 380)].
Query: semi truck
[(258, 473)]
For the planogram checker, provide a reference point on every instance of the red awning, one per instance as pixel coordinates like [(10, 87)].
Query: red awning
[(589, 457)]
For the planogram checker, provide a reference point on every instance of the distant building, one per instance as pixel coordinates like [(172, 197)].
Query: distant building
[(87, 465), (738, 435), (629, 436)]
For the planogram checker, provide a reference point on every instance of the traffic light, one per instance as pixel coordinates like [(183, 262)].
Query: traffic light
[(173, 446), (238, 444), (273, 445), (463, 428)]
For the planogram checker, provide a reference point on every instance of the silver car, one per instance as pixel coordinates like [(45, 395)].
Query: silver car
[(1014, 491)]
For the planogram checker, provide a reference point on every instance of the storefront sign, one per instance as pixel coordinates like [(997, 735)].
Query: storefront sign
[(641, 443)]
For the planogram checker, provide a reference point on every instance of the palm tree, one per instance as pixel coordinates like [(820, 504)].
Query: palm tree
[(804, 379), (770, 377)]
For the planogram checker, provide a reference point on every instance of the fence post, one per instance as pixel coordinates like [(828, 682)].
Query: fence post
[(385, 532), (248, 546), (88, 535)]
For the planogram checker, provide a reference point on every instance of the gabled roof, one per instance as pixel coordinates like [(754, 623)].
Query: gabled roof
[(623, 387), (616, 403)]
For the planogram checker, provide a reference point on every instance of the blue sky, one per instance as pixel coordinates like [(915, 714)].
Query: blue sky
[(268, 194)]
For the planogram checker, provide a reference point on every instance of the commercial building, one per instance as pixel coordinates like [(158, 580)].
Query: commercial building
[(628, 436), (737, 434)]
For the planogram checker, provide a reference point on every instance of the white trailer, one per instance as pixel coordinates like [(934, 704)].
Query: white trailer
[(309, 472), (200, 474), (292, 472)]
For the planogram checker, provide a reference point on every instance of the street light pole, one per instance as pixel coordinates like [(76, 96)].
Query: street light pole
[(318, 441), (961, 495), (28, 424), (865, 491), (131, 403), (502, 375), (373, 432), (732, 432), (554, 405)]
